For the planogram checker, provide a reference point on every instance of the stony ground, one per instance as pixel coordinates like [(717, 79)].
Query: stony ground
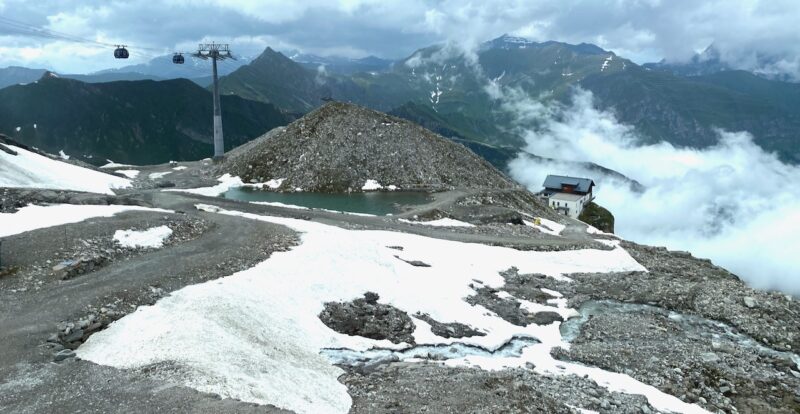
[(686, 327), (428, 387)]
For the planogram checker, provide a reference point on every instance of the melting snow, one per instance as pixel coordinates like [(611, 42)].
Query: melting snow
[(371, 185), (151, 238), (129, 173), (606, 62), (180, 168), (227, 182), (275, 183), (38, 217), (442, 222), (63, 155), (159, 175), (29, 169), (268, 338)]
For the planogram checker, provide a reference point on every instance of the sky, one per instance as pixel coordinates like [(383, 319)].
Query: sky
[(641, 30)]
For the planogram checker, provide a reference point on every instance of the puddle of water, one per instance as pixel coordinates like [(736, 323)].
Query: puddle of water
[(512, 348), (694, 326), (378, 203)]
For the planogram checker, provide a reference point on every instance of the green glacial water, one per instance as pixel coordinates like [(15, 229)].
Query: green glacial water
[(378, 203)]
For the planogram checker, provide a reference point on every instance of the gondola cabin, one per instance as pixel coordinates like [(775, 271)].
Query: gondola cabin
[(120, 52)]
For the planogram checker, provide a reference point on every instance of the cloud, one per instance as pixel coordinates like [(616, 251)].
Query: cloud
[(642, 30), (732, 202)]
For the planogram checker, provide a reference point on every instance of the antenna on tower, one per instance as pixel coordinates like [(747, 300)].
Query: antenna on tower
[(215, 51)]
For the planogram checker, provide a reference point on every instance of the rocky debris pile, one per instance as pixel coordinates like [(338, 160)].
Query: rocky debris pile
[(430, 387), (680, 282), (529, 286), (449, 330), (699, 362), (83, 264), (509, 308), (12, 199), (370, 319), (339, 147)]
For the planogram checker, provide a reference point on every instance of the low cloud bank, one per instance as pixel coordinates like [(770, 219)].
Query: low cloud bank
[(732, 203)]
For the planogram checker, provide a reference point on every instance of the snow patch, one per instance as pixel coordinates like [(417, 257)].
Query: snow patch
[(226, 182), (159, 175), (129, 173), (63, 155), (152, 238), (371, 185), (275, 183), (442, 222), (180, 168), (38, 217), (606, 62), (29, 169), (112, 164)]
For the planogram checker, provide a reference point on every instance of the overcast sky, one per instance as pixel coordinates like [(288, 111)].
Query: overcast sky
[(642, 30)]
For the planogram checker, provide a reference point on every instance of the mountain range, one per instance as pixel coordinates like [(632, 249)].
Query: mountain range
[(466, 96), (459, 95), (141, 122), (711, 61)]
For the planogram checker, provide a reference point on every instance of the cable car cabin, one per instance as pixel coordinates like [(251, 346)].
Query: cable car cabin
[(177, 59), (121, 52)]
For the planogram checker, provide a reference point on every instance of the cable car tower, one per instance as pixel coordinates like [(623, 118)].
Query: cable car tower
[(215, 51)]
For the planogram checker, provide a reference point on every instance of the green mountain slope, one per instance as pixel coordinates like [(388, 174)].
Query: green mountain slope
[(139, 122), (274, 78)]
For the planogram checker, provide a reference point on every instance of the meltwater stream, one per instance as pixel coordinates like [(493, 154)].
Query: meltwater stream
[(693, 326), (512, 348)]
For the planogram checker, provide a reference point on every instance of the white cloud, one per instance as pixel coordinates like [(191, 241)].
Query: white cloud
[(732, 203)]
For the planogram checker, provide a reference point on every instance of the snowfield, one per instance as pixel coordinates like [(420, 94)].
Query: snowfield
[(152, 238), (38, 217), (29, 169), (256, 336), (227, 182)]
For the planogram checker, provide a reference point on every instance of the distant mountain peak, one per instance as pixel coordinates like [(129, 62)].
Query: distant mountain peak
[(507, 41), (49, 75)]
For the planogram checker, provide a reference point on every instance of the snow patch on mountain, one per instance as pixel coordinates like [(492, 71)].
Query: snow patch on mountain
[(29, 169)]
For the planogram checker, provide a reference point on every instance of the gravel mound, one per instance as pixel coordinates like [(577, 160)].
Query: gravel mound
[(339, 147)]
